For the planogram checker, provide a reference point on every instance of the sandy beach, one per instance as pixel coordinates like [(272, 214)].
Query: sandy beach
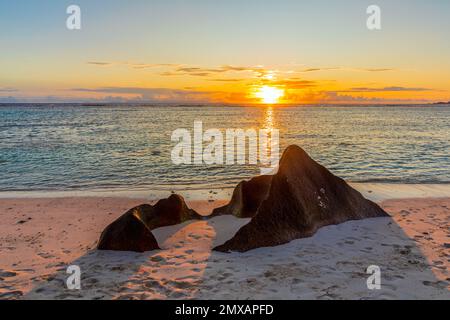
[(41, 236)]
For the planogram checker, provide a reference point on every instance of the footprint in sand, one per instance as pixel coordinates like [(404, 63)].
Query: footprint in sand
[(7, 274), (158, 259), (11, 295), (154, 284), (45, 255), (180, 284), (437, 284), (176, 295)]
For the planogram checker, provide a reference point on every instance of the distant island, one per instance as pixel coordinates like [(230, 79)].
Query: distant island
[(442, 102)]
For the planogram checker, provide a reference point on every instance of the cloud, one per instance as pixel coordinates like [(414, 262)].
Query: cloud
[(147, 66), (133, 90), (294, 83), (8, 89), (131, 65), (319, 69), (100, 63), (386, 89), (345, 69), (205, 72), (377, 69), (156, 94), (197, 69), (9, 99), (191, 95), (173, 69), (337, 97), (66, 99), (226, 80)]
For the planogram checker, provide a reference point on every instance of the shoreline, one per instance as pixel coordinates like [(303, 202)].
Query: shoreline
[(373, 191)]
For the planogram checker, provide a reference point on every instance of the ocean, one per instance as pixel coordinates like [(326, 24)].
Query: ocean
[(81, 147)]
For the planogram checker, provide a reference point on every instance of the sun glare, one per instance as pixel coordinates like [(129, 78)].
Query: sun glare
[(269, 95)]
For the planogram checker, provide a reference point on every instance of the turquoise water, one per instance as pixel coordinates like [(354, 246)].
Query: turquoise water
[(73, 147)]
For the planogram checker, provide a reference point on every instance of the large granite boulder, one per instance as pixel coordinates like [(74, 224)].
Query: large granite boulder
[(128, 233), (303, 197), (168, 212), (246, 199), (132, 231)]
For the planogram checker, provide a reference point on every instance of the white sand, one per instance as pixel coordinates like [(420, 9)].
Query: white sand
[(381, 191), (373, 191), (412, 249)]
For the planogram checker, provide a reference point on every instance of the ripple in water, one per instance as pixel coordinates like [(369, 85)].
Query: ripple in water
[(78, 147)]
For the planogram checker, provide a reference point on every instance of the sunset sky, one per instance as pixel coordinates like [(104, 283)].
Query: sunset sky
[(234, 51)]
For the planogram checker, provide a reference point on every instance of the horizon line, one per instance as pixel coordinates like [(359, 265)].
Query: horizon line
[(205, 104)]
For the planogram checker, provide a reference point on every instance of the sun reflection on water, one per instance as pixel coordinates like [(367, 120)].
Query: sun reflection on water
[(269, 119)]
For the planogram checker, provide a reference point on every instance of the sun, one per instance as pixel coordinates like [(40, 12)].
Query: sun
[(269, 95)]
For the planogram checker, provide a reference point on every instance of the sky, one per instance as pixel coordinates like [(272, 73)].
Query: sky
[(234, 51)]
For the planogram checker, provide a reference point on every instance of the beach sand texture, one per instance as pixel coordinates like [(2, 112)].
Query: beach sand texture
[(40, 237)]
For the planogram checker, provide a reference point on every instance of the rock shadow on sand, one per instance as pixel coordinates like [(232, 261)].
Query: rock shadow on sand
[(332, 264)]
